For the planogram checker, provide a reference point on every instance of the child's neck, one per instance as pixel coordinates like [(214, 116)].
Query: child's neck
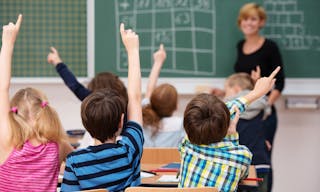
[(97, 142)]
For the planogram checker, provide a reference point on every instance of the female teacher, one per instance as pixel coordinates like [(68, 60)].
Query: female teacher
[(259, 56)]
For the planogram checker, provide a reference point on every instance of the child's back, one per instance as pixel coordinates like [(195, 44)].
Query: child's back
[(110, 164), (211, 154), (207, 160), (161, 129), (32, 168)]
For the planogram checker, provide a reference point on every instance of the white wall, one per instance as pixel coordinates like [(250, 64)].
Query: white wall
[(296, 152)]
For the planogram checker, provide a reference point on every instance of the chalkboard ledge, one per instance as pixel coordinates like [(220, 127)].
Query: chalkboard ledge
[(44, 80), (187, 86)]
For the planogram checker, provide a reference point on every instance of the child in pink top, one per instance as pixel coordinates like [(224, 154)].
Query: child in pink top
[(32, 141)]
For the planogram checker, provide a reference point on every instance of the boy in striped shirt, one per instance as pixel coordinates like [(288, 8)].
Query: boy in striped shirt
[(211, 154), (110, 164)]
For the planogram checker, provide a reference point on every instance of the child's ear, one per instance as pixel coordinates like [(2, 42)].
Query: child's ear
[(120, 125), (121, 121)]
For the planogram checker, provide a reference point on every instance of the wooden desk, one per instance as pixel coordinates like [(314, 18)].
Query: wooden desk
[(153, 181)]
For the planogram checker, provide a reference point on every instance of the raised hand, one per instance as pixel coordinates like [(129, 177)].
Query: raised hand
[(160, 56), (10, 32), (265, 84), (54, 57), (256, 74), (233, 122), (262, 86), (129, 38)]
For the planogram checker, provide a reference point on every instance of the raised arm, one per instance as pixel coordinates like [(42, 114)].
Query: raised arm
[(68, 77), (131, 42), (262, 86), (9, 35), (158, 57)]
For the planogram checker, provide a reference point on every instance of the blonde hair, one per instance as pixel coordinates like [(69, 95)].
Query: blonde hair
[(32, 117), (163, 103), (243, 80), (251, 9)]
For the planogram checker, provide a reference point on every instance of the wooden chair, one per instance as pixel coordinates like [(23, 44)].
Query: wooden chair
[(164, 189), (96, 190), (160, 155)]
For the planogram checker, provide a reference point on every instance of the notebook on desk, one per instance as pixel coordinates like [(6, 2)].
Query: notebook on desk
[(171, 167)]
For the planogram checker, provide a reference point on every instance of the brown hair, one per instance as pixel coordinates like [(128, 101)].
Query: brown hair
[(101, 113), (108, 80), (163, 103), (33, 119), (251, 9), (206, 119), (243, 80)]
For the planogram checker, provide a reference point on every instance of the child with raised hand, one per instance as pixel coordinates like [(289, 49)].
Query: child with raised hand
[(211, 154), (110, 164), (160, 128), (32, 141)]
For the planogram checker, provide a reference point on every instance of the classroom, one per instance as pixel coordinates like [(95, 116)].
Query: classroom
[(200, 41)]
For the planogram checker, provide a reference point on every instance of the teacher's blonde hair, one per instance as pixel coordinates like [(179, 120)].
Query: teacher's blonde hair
[(251, 9)]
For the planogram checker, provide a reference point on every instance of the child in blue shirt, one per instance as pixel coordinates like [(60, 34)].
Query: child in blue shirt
[(110, 164)]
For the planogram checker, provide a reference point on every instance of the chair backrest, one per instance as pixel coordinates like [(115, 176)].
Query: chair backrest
[(160, 155), (96, 190), (166, 189)]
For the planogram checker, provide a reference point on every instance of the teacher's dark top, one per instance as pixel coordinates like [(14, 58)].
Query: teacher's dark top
[(267, 57)]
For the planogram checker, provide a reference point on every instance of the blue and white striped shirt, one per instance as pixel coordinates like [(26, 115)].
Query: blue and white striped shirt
[(113, 166)]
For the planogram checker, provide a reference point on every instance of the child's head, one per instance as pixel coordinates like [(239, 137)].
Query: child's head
[(107, 80), (32, 117), (251, 10), (206, 119), (238, 82), (102, 114), (163, 102)]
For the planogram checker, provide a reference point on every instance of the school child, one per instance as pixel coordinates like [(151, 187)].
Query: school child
[(211, 154), (100, 81), (160, 128), (249, 126), (110, 164), (32, 140)]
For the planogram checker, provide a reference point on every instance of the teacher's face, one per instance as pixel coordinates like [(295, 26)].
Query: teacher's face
[(251, 25)]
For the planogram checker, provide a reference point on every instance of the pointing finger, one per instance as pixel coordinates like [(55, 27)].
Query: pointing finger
[(19, 21), (161, 46), (122, 28), (275, 72), (53, 50)]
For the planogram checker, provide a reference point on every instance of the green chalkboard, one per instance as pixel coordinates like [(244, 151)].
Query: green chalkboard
[(200, 35), (46, 23)]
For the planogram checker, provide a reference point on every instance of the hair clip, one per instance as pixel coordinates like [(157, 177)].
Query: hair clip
[(44, 103), (14, 110)]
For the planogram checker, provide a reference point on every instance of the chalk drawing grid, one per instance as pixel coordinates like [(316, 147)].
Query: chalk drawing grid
[(185, 27), (286, 25)]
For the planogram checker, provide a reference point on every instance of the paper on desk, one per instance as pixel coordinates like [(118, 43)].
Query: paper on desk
[(168, 178), (145, 174)]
